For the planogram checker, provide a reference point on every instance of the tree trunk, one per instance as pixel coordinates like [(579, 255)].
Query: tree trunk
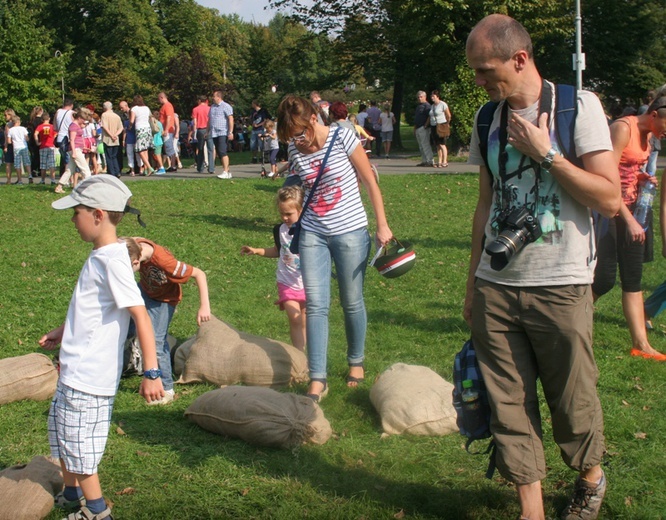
[(396, 104)]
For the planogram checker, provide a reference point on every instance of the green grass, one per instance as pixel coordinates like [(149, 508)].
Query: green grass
[(180, 471)]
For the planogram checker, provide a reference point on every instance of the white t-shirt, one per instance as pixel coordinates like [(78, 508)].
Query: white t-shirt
[(565, 253), (91, 353), (438, 113), (336, 207), (63, 119), (18, 135), (289, 264), (387, 121), (141, 117)]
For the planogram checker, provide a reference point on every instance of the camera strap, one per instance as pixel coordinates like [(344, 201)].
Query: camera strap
[(545, 105)]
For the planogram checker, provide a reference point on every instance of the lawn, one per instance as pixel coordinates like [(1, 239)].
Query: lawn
[(176, 470)]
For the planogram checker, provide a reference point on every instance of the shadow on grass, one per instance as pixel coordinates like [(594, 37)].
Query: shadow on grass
[(346, 479), (453, 323), (249, 224), (433, 243)]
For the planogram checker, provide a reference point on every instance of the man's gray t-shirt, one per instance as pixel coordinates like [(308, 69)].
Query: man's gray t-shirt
[(565, 252)]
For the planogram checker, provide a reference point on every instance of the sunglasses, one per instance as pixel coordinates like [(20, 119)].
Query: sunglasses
[(299, 138)]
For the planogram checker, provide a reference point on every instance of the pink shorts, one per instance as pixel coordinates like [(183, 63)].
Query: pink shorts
[(286, 293)]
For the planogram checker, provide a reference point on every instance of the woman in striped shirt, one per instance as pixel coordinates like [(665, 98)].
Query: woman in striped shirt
[(334, 227)]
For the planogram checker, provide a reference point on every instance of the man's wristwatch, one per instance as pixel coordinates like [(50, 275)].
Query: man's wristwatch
[(153, 373), (547, 162)]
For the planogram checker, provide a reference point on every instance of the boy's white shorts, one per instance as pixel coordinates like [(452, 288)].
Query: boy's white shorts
[(78, 428)]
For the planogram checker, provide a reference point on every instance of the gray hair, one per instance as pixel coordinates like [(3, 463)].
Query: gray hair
[(420, 93), (107, 105)]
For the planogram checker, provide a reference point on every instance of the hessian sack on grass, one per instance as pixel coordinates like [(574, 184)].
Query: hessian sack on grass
[(223, 356), (180, 355), (261, 416), (414, 399), (32, 376), (27, 491)]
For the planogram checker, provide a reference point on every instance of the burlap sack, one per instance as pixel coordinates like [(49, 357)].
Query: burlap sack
[(414, 399), (27, 491), (223, 356), (182, 352), (261, 416), (32, 376)]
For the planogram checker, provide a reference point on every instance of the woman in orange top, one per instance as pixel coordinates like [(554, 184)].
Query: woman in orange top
[(624, 243)]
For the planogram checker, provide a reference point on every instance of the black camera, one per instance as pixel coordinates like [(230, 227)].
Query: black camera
[(518, 227)]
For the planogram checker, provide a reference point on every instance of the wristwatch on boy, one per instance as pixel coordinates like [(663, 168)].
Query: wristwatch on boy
[(153, 373)]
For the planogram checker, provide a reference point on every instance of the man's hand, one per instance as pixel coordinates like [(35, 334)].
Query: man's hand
[(528, 139)]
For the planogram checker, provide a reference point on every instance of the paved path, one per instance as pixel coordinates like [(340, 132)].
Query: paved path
[(396, 165)]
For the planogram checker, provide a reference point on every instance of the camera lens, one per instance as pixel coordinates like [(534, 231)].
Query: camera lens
[(502, 249)]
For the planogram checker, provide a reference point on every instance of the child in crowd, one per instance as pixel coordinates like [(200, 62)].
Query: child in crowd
[(291, 295), (360, 131), (161, 276), (17, 136), (45, 135), (158, 143), (271, 145), (91, 352)]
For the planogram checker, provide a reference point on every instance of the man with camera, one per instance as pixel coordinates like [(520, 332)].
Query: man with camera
[(528, 298)]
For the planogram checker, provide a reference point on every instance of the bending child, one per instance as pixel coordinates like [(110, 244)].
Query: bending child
[(291, 295), (92, 340), (161, 276)]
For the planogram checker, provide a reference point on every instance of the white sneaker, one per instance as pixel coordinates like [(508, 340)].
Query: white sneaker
[(271, 175), (224, 175), (169, 395)]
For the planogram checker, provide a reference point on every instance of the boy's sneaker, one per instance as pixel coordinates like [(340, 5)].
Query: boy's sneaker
[(85, 514), (586, 501), (61, 502), (169, 395), (160, 171)]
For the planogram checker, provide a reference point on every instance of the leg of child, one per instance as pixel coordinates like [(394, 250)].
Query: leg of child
[(296, 314), (52, 172)]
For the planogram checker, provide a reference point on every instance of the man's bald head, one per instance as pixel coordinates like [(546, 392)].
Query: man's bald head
[(503, 35)]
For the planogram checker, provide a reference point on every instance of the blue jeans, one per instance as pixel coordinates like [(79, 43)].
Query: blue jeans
[(111, 156), (161, 314), (350, 253)]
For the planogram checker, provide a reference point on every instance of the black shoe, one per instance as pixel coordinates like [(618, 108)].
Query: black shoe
[(172, 169), (254, 160)]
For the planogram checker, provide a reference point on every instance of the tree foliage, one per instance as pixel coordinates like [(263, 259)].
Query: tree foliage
[(29, 70), (115, 49)]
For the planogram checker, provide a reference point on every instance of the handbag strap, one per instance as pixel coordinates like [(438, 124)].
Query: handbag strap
[(315, 184)]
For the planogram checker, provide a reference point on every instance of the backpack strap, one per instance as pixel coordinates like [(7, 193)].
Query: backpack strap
[(483, 122), (566, 110)]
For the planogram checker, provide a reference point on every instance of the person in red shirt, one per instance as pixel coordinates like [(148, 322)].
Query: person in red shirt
[(45, 135), (161, 276), (199, 127), (168, 120)]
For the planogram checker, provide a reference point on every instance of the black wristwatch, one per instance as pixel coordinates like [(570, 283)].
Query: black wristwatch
[(547, 162), (153, 373)]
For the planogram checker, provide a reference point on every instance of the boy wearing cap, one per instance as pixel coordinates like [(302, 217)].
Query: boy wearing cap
[(91, 352)]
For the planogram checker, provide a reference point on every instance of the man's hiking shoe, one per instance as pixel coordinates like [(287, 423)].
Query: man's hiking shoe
[(586, 501), (85, 514), (68, 505)]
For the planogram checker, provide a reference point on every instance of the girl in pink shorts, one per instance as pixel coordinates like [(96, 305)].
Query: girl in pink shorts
[(291, 296)]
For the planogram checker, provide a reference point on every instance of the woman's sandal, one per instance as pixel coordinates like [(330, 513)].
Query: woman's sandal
[(318, 397), (355, 381)]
